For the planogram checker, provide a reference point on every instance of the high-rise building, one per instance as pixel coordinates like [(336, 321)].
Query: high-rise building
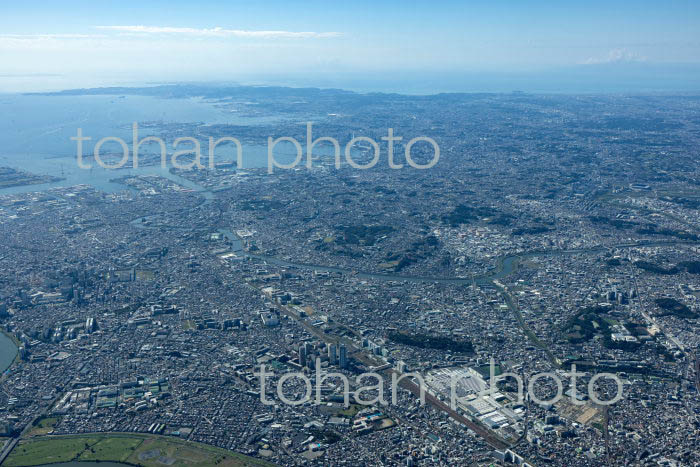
[(332, 354), (343, 356), (302, 355)]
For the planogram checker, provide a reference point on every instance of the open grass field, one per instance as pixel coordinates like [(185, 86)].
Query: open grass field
[(45, 451), (134, 449), (111, 449)]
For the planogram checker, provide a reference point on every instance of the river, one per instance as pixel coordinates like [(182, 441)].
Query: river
[(507, 265), (8, 352)]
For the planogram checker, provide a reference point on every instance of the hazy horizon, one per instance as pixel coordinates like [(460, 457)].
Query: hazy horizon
[(419, 48), (603, 79)]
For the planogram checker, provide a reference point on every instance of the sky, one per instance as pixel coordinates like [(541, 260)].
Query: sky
[(56, 44)]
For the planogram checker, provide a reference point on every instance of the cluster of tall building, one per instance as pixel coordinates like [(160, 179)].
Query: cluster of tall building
[(336, 355)]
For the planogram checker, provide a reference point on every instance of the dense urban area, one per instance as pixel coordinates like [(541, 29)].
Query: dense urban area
[(554, 232)]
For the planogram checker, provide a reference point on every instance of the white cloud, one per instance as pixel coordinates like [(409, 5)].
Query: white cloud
[(142, 37), (47, 41), (47, 36), (616, 56), (218, 32)]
